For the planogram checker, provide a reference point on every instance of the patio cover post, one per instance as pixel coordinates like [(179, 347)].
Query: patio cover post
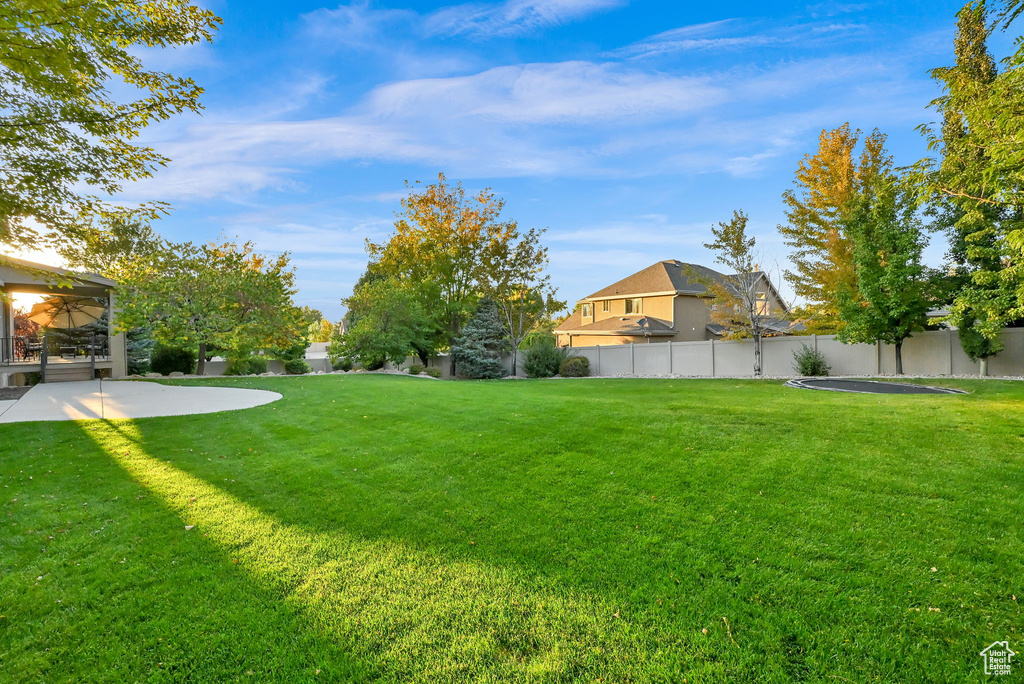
[(44, 353), (92, 355)]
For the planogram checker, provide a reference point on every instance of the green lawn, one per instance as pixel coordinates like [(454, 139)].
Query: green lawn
[(369, 528)]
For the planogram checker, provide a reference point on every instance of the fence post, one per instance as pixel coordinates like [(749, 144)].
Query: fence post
[(670, 372), (878, 357), (632, 360), (597, 371), (949, 350), (814, 339), (713, 373)]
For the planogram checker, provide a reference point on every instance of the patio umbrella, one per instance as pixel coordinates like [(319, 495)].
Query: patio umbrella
[(67, 312)]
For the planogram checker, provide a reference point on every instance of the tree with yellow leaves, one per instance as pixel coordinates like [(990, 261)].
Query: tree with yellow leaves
[(827, 184), (440, 249)]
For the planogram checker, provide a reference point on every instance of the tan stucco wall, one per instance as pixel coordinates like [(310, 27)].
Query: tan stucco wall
[(691, 316), (659, 307), (655, 307)]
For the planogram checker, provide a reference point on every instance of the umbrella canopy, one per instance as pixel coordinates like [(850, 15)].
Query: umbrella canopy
[(67, 312)]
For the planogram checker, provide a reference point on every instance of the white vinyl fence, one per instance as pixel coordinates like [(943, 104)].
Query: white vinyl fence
[(926, 353)]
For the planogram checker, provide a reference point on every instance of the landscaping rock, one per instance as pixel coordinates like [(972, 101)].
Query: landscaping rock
[(176, 374), (154, 375)]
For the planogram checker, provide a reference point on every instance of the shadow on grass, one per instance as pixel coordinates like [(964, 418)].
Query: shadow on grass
[(410, 614)]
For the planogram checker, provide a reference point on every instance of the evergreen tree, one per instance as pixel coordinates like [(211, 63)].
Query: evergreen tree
[(139, 344), (827, 183), (962, 207), (477, 353)]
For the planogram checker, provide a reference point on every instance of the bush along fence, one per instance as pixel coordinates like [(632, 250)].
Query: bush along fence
[(926, 353)]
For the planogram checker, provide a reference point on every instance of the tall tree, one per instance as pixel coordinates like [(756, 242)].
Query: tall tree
[(826, 184), (890, 302), (387, 323), (971, 222), (979, 181), (222, 295), (515, 279), (438, 251), (736, 303), (65, 136)]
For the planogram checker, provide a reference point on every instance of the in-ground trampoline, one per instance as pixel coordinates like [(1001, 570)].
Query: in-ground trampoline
[(867, 386)]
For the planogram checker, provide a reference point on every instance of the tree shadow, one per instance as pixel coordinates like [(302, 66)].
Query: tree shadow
[(410, 613)]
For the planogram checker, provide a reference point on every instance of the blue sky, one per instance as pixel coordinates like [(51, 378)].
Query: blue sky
[(624, 127)]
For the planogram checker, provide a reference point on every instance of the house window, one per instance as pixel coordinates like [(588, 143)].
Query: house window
[(633, 306), (588, 310), (606, 305), (764, 307)]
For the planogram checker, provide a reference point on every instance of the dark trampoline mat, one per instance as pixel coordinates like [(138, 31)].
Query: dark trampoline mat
[(868, 386)]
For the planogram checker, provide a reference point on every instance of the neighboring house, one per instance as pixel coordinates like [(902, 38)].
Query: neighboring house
[(661, 303)]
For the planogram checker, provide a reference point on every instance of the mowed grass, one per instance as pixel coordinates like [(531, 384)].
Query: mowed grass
[(380, 528)]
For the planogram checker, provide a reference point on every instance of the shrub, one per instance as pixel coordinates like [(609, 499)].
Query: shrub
[(167, 360), (296, 367), (415, 369), (433, 372), (542, 361), (342, 363), (372, 363), (33, 378), (246, 365), (808, 361), (575, 367)]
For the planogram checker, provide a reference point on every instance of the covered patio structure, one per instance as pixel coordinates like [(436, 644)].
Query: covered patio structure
[(98, 354)]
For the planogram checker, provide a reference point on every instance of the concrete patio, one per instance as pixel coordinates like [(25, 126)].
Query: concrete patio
[(106, 399)]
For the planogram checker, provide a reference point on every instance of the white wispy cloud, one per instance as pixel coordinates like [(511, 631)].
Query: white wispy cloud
[(565, 92), (732, 34), (357, 25), (361, 26), (512, 17), (831, 9)]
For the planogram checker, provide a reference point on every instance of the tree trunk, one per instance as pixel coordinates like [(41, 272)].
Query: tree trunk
[(201, 361), (455, 333), (983, 366), (757, 356), (899, 358)]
